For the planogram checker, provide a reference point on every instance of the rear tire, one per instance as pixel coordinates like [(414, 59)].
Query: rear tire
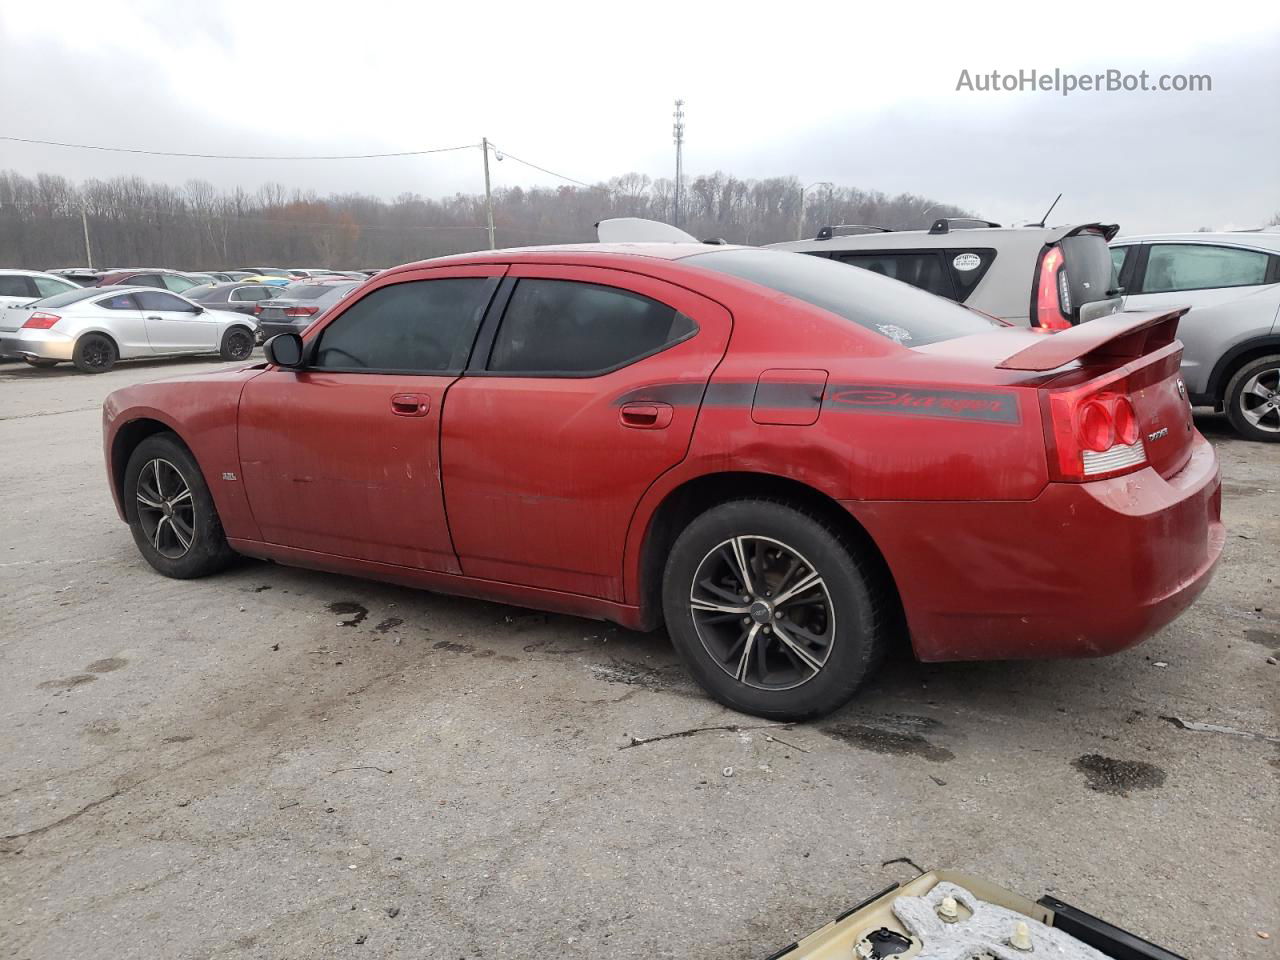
[(171, 512), (40, 362), (784, 653), (1252, 399), (237, 344), (95, 353)]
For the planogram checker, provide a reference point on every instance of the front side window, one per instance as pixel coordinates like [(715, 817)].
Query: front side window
[(422, 326), (157, 300), (1197, 266), (564, 327)]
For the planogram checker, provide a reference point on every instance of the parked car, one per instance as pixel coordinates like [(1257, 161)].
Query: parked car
[(1231, 337), (299, 304), (95, 327), (233, 275), (240, 297), (1053, 277), (271, 272), (576, 429), (269, 279), (163, 279), (23, 286)]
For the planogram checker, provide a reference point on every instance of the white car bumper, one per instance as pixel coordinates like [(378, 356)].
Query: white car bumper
[(41, 344)]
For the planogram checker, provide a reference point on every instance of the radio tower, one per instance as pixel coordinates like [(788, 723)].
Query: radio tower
[(677, 133)]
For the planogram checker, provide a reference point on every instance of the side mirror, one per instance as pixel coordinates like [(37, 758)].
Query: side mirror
[(284, 350), (198, 309)]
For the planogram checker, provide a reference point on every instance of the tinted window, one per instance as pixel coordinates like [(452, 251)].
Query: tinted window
[(121, 301), (562, 326), (967, 267), (144, 280), (1090, 268), (15, 285), (901, 313), (177, 284), (424, 326), (156, 300), (923, 270), (205, 291), (1199, 266), (1118, 255), (241, 294), (70, 297)]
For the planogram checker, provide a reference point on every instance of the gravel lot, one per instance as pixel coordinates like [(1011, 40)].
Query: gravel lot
[(277, 763)]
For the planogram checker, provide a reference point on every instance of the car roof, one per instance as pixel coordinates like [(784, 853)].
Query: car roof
[(656, 251), (1238, 238), (16, 271), (917, 239)]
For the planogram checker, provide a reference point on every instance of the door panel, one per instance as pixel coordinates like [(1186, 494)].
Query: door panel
[(344, 458), (331, 463), (542, 473), (172, 327)]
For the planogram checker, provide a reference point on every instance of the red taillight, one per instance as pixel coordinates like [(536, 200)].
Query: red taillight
[(1053, 296), (1093, 431), (41, 321), (257, 309), (301, 311)]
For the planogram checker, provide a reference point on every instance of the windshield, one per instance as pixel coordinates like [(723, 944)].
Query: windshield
[(894, 310)]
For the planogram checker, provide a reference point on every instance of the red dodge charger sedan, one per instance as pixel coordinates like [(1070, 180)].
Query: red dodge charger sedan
[(786, 461)]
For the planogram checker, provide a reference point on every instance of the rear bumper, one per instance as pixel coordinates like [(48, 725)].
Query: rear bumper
[(1083, 570), (41, 344), (271, 328)]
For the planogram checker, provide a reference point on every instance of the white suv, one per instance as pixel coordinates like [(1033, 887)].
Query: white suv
[(1231, 337)]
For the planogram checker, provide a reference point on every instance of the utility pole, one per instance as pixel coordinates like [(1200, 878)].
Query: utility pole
[(84, 222), (677, 132), (488, 194)]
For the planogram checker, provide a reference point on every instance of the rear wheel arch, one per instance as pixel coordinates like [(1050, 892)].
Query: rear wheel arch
[(1233, 360), (699, 494)]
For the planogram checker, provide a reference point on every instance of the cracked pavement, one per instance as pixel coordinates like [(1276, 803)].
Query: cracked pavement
[(279, 763)]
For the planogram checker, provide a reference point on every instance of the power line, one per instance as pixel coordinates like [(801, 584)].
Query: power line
[(508, 154), (231, 156)]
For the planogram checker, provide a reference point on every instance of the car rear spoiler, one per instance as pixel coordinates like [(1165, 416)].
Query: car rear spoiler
[(1117, 338)]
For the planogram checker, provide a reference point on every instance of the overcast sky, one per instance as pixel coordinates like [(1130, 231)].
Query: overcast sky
[(859, 94)]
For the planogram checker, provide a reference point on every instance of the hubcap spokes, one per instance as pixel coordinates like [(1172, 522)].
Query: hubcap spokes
[(762, 612), (1260, 400), (166, 508)]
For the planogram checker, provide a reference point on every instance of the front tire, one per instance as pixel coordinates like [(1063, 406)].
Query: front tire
[(95, 353), (171, 512), (773, 611), (237, 344), (1252, 400)]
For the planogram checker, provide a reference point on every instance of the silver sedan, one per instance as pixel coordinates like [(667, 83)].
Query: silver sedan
[(96, 326)]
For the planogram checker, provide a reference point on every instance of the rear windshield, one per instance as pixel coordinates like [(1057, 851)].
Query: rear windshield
[(1090, 269), (314, 291), (894, 310), (68, 298)]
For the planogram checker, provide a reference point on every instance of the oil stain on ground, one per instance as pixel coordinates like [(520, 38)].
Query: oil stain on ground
[(1118, 777), (1266, 638), (357, 612), (893, 742), (388, 624), (107, 665), (67, 683)]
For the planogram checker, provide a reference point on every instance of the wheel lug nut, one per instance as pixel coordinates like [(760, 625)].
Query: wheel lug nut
[(746, 620), (767, 629), (777, 614)]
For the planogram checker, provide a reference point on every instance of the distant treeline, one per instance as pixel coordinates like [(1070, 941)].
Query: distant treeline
[(135, 223)]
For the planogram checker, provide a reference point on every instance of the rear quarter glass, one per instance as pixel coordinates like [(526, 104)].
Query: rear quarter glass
[(1090, 268), (893, 310)]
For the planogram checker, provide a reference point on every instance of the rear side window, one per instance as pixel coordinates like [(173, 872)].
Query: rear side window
[(923, 270), (145, 280), (967, 268), (178, 284), (901, 313), (423, 326), (48, 287), (15, 285), (121, 301), (1197, 266), (569, 328)]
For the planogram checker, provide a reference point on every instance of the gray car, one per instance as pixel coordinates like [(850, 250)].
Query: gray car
[(299, 305), (1231, 337), (1052, 277)]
